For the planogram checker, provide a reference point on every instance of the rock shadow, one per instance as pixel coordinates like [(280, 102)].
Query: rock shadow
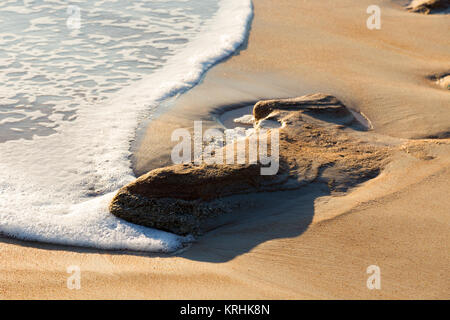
[(267, 216)]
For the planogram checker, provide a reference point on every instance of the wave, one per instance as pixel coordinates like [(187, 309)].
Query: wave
[(57, 188)]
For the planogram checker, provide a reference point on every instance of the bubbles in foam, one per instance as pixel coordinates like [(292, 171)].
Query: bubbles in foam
[(56, 186)]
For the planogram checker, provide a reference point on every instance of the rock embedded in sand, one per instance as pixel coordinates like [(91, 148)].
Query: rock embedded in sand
[(444, 82), (318, 143), (429, 6), (180, 198), (441, 79)]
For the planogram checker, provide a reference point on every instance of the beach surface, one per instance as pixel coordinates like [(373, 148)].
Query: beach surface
[(305, 244)]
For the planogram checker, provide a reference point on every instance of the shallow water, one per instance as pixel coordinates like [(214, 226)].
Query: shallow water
[(49, 67), (71, 100)]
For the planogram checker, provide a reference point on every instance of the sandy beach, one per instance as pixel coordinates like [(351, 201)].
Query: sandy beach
[(307, 245)]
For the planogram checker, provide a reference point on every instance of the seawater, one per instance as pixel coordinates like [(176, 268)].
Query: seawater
[(76, 77)]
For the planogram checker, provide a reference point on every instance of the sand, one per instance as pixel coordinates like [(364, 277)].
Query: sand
[(306, 245)]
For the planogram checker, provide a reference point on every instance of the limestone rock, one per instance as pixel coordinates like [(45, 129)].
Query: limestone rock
[(180, 198), (318, 142), (429, 6)]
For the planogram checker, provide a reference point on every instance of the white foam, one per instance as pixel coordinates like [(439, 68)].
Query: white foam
[(245, 119), (48, 184)]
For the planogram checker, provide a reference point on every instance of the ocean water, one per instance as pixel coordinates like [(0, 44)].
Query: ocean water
[(76, 78)]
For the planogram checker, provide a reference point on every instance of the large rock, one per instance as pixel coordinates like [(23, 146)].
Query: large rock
[(205, 182), (180, 198), (318, 142)]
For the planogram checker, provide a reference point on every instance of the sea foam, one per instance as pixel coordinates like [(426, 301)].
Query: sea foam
[(56, 188)]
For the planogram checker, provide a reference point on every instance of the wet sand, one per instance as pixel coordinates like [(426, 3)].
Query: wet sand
[(307, 245)]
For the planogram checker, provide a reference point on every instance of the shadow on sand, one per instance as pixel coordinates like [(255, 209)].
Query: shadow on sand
[(266, 216)]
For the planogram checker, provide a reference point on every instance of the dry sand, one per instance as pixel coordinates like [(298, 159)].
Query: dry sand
[(306, 245)]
